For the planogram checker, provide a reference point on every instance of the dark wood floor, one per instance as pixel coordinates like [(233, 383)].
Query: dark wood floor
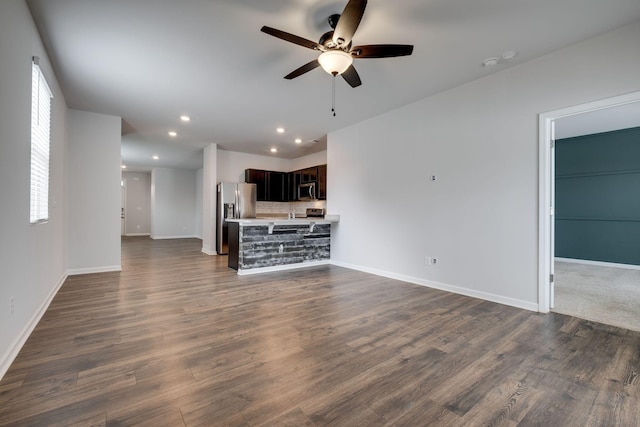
[(178, 339)]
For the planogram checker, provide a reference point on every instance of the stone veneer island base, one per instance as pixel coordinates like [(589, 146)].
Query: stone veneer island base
[(259, 245)]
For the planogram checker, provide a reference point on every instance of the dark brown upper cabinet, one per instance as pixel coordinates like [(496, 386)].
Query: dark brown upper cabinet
[(258, 177), (276, 188), (273, 186), (322, 182), (309, 174)]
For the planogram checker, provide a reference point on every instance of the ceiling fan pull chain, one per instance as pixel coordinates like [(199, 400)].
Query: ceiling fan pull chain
[(333, 95)]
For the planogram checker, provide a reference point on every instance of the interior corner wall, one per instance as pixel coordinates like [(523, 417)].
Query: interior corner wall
[(94, 176), (33, 258), (173, 203), (479, 217), (597, 210)]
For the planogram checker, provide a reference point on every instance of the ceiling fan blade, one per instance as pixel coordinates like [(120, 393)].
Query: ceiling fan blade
[(304, 69), (351, 76), (381, 50), (348, 22), (291, 38)]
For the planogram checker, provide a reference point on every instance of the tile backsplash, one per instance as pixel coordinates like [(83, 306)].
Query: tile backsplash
[(284, 208)]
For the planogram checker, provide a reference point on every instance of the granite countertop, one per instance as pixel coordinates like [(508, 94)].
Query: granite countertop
[(327, 219)]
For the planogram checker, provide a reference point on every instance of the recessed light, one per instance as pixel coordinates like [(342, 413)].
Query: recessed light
[(173, 133), (280, 130), (510, 54), (155, 157), (185, 118), (274, 150), (298, 141), (123, 166)]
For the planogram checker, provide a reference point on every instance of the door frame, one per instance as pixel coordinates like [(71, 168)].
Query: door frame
[(123, 206), (546, 184)]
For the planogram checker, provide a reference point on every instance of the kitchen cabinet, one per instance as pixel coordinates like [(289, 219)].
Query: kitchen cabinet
[(276, 189), (309, 174), (291, 190), (271, 185), (304, 176), (296, 181), (258, 177), (321, 191)]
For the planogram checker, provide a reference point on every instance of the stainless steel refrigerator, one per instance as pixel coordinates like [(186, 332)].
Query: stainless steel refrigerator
[(235, 200)]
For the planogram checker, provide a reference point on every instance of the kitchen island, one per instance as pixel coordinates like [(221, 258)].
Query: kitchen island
[(270, 244)]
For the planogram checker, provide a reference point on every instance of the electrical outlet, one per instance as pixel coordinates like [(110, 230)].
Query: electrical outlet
[(434, 261), (11, 306), (427, 260)]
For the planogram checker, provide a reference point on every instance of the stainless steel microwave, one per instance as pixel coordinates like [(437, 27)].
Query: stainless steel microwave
[(307, 191)]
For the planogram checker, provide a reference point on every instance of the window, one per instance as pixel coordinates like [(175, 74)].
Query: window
[(40, 142)]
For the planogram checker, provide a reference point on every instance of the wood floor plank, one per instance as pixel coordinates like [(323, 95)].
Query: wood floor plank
[(178, 339)]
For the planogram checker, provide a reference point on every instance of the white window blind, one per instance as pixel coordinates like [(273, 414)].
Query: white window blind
[(40, 142)]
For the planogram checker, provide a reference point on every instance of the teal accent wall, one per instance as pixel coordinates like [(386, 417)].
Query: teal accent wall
[(598, 197)]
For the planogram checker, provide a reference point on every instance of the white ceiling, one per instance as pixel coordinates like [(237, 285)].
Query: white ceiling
[(149, 61)]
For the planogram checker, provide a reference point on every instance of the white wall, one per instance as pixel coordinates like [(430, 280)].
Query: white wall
[(231, 165), (307, 161), (209, 196), (94, 200), (138, 203), (33, 258), (480, 217), (173, 203)]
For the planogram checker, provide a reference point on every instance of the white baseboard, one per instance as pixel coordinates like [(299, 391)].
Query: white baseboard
[(190, 236), (599, 263), (209, 251), (282, 267), (136, 234), (7, 359), (107, 269), (526, 305)]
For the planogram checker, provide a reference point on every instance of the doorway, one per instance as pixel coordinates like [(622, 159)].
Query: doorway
[(547, 124)]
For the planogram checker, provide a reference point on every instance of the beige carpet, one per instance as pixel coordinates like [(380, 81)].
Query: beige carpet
[(601, 294)]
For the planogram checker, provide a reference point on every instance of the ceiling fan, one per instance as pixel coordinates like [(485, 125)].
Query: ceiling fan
[(337, 51)]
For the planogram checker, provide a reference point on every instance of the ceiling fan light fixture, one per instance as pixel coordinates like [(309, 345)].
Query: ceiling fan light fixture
[(335, 62)]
